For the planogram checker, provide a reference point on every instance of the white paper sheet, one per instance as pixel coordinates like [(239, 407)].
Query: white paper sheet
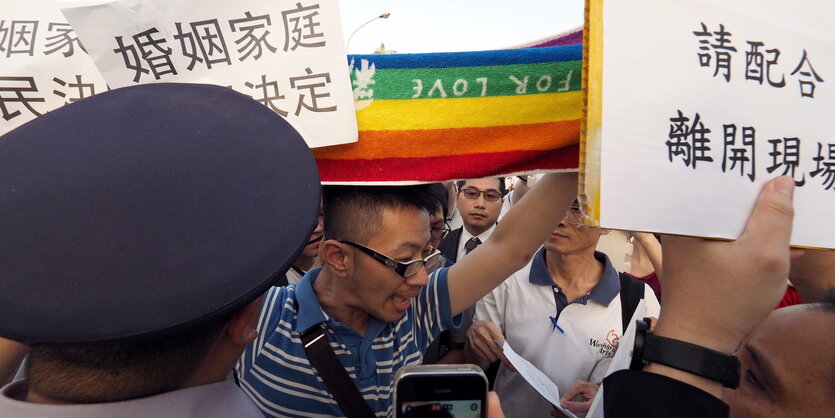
[(538, 380)]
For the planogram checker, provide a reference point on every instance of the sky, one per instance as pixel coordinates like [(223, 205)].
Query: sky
[(455, 25)]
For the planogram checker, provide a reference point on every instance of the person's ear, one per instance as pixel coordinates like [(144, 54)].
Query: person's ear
[(241, 327), (336, 256)]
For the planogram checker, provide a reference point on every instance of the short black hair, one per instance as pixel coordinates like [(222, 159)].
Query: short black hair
[(441, 195), (460, 183), (354, 212), (118, 372)]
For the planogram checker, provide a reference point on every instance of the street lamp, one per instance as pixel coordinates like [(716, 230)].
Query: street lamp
[(381, 16)]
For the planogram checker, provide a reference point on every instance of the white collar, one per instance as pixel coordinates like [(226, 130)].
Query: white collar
[(466, 236)]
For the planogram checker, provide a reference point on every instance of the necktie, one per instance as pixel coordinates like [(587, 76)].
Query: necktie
[(471, 244)]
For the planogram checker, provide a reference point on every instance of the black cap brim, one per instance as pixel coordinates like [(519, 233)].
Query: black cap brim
[(147, 209)]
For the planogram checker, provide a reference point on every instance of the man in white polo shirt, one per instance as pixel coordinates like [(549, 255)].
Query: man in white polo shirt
[(561, 312)]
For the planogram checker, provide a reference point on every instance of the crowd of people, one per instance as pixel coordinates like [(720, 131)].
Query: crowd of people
[(156, 263)]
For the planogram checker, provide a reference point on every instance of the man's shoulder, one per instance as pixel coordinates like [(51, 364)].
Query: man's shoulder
[(281, 299), (221, 399), (449, 245), (294, 306), (516, 286), (454, 235), (521, 279), (214, 400), (279, 313)]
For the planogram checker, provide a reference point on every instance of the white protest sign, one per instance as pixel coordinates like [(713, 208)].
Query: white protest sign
[(287, 54), (43, 65), (700, 103)]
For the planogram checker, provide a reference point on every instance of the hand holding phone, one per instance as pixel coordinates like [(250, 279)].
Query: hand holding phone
[(440, 390)]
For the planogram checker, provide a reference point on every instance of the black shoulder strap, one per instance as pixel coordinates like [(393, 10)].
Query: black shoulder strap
[(336, 379), (631, 293)]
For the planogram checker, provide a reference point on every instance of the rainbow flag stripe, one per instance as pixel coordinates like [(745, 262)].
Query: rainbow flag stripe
[(446, 116)]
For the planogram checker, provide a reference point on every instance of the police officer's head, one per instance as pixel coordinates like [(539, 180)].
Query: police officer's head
[(140, 226)]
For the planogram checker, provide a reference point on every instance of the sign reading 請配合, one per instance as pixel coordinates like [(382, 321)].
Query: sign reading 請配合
[(43, 65), (694, 106), (288, 55)]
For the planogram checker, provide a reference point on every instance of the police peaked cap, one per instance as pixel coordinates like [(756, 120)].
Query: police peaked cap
[(147, 210)]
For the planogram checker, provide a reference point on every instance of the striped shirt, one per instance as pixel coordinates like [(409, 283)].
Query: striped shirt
[(275, 372)]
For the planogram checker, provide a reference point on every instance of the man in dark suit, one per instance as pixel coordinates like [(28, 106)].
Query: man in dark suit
[(479, 202)]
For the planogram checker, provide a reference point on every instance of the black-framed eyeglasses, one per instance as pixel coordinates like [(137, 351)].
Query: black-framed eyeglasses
[(408, 269), (489, 195), (441, 233)]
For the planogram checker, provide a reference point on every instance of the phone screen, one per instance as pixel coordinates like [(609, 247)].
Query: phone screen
[(458, 409), (441, 391)]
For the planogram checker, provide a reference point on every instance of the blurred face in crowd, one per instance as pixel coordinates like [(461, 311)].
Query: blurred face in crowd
[(571, 236), (378, 290), (438, 227), (787, 367), (312, 247), (479, 203)]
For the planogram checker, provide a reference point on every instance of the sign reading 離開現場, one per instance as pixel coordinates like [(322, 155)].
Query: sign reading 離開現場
[(287, 54), (693, 106)]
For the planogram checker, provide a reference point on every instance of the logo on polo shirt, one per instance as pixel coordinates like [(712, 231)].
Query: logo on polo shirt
[(612, 338), (608, 346)]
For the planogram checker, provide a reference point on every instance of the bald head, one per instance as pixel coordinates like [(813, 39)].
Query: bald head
[(787, 364)]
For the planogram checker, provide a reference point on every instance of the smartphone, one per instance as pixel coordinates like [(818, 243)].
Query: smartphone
[(440, 390)]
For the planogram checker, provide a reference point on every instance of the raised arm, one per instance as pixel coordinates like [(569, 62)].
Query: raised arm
[(519, 190), (652, 248), (716, 292), (512, 245)]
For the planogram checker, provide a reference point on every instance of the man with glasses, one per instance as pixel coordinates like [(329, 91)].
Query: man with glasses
[(308, 256), (438, 225), (373, 299), (439, 229), (479, 204), (562, 313)]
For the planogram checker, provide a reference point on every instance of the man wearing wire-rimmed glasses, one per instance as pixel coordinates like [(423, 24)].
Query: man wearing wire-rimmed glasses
[(479, 202)]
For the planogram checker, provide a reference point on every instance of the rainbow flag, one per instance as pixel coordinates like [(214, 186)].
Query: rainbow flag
[(446, 116)]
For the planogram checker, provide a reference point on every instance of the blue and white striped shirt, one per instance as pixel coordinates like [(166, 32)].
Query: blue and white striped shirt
[(275, 372)]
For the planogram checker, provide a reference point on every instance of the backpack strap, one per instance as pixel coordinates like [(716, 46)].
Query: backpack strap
[(631, 293)]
